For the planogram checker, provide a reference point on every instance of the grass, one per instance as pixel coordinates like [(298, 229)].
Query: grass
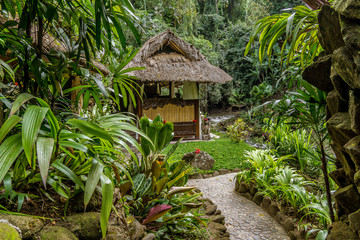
[(227, 154)]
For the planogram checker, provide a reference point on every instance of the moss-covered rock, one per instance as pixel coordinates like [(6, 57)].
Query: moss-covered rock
[(28, 225), (7, 232), (84, 225), (340, 230), (55, 233)]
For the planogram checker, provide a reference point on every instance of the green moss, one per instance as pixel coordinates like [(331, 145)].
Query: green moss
[(56, 232), (8, 233)]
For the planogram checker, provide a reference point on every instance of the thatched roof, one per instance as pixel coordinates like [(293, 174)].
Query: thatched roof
[(169, 58)]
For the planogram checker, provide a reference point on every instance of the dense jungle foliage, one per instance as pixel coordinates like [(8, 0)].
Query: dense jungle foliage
[(221, 29), (61, 135)]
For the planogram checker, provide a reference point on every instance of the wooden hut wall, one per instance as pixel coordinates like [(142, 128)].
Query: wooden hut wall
[(173, 113)]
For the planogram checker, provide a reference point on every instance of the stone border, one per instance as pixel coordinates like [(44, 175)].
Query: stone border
[(214, 174), (216, 225), (289, 224)]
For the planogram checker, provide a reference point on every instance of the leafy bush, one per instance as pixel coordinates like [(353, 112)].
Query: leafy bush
[(273, 178), (238, 131), (155, 190), (296, 142), (71, 157)]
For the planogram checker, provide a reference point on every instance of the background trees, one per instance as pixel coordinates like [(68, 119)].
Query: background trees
[(220, 30)]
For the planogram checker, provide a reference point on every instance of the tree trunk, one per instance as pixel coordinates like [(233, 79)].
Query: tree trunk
[(326, 178)]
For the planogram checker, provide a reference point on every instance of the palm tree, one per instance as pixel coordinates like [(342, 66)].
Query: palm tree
[(44, 37), (295, 32)]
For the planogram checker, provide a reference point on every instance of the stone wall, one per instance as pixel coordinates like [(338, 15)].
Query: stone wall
[(337, 71)]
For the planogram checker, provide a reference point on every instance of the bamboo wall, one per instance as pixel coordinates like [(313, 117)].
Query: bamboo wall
[(173, 113)]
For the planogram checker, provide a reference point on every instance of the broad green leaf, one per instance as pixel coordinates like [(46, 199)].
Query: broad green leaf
[(57, 187), (20, 100), (68, 172), (54, 124), (106, 204), (90, 128), (9, 151), (181, 175), (33, 118), (8, 125), (44, 150), (176, 190), (92, 180), (74, 145)]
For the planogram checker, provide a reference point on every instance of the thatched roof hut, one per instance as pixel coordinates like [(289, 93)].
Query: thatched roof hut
[(169, 58)]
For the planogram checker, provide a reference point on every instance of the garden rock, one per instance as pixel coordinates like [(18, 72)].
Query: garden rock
[(55, 233), (354, 111), (318, 74), (346, 162), (216, 218), (27, 225), (149, 236), (340, 178), (348, 198), (339, 127), (117, 232), (217, 212), (335, 104), (353, 149), (216, 226), (348, 8), (340, 85), (350, 31), (258, 198), (340, 230), (329, 33), (207, 175), (201, 160), (354, 220), (84, 225), (344, 64), (288, 225), (224, 171), (215, 174), (357, 180), (210, 210), (8, 232), (247, 195), (196, 176), (252, 189), (273, 209), (266, 202), (242, 187), (137, 230)]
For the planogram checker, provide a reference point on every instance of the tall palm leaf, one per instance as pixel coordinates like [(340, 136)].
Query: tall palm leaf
[(295, 32)]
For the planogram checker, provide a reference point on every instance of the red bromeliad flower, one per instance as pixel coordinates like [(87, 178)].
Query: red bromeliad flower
[(164, 121), (197, 151), (206, 119), (194, 121), (16, 84)]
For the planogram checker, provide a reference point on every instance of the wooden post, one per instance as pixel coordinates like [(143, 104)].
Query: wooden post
[(197, 118)]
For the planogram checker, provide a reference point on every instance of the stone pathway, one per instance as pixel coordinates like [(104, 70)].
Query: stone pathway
[(243, 218)]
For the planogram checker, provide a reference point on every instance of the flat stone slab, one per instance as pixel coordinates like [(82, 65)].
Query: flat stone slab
[(243, 218)]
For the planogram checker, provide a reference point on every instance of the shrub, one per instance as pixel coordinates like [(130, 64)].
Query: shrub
[(238, 131)]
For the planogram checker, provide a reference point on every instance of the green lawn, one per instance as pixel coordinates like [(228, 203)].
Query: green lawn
[(227, 154)]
